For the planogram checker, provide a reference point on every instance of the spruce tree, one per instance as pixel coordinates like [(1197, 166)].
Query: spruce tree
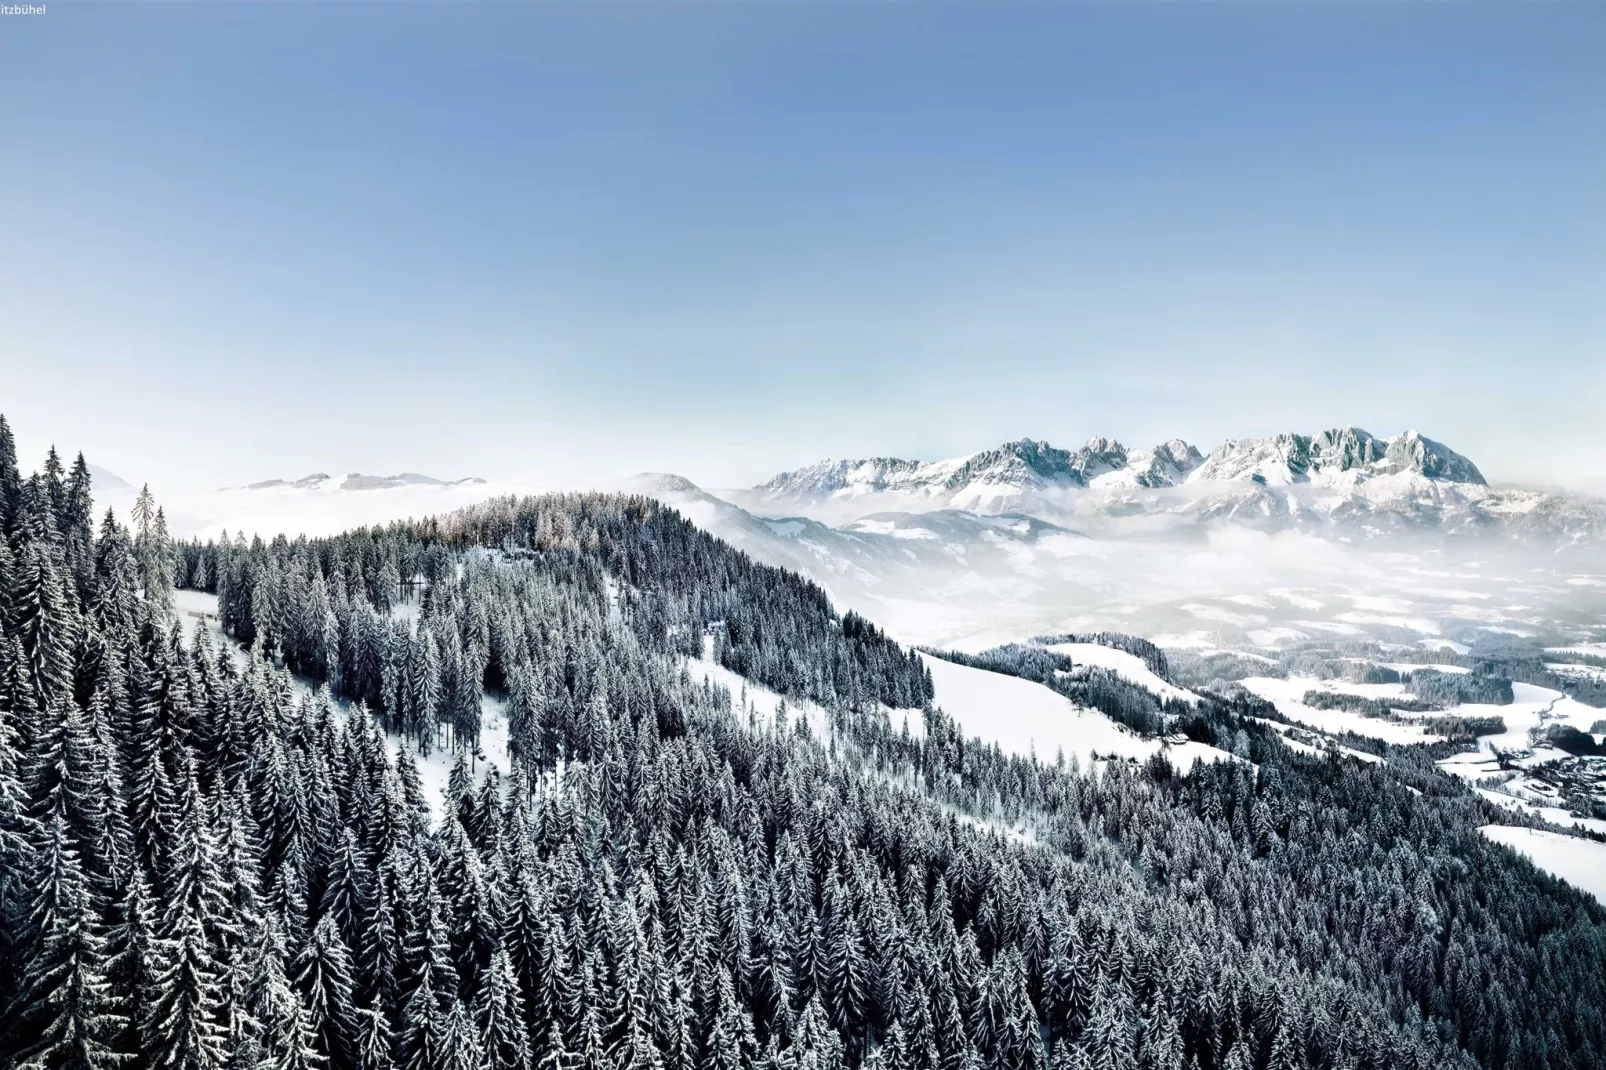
[(43, 610), (68, 1009), (182, 1026), (10, 480), (322, 973)]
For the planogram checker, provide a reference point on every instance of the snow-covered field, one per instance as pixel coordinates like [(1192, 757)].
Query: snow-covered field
[(1532, 707), (1286, 695), (1556, 815), (1594, 649), (1579, 862), (1023, 717)]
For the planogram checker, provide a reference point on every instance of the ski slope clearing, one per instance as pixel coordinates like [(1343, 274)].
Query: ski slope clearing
[(1129, 667), (1023, 717), (1579, 862), (755, 702)]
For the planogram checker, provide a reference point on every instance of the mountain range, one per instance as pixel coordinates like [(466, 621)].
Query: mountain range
[(1344, 481), (1029, 537)]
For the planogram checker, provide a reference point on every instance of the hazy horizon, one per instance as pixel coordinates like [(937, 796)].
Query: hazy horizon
[(33, 448)]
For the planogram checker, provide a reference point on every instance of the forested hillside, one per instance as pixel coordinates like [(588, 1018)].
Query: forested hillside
[(206, 862)]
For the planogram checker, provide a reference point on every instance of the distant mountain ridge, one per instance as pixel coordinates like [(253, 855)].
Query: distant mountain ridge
[(989, 481), (1342, 478), (1286, 458), (107, 482), (357, 481)]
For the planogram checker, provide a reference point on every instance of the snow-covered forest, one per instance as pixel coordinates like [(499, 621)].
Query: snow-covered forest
[(222, 855)]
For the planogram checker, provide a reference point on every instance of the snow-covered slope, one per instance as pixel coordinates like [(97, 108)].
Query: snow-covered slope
[(1022, 717), (1579, 862), (1129, 667), (198, 610)]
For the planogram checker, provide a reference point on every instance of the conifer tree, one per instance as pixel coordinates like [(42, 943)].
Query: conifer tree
[(374, 1041), (10, 480), (42, 608), (68, 1008), (499, 1013), (182, 1026), (322, 974)]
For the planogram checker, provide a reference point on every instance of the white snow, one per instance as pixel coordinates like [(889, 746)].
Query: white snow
[(1415, 624), (1411, 666), (888, 527), (1532, 707), (1223, 616), (1295, 597), (1185, 641), (1024, 717), (1380, 604), (1334, 627), (1444, 644), (1579, 862)]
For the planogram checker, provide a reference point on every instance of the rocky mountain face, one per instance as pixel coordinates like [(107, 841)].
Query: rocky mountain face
[(1332, 457), (990, 481)]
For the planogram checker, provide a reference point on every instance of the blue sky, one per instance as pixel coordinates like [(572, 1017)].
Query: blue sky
[(722, 239)]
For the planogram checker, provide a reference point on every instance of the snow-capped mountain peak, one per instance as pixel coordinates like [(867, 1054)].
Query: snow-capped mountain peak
[(854, 478), (1164, 465), (994, 480), (1346, 455)]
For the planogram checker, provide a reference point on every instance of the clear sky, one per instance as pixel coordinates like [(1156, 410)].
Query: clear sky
[(252, 241)]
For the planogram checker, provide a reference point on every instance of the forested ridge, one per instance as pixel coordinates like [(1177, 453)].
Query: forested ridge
[(205, 862)]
